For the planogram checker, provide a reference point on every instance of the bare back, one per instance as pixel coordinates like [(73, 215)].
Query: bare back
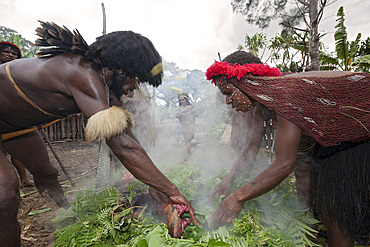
[(60, 85)]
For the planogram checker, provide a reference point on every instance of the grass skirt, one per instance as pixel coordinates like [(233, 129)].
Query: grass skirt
[(341, 187)]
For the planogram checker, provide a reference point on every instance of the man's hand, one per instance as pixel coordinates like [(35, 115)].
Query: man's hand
[(223, 188), (180, 199), (176, 199), (226, 212)]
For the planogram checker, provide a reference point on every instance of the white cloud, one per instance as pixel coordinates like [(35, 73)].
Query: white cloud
[(189, 33)]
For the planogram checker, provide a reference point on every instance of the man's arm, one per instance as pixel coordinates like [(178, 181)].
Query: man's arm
[(286, 146), (91, 98), (248, 154), (136, 160)]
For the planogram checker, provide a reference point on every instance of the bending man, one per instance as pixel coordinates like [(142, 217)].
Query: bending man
[(331, 107), (72, 77)]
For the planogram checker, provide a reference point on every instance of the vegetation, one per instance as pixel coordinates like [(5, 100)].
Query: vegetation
[(289, 50), (308, 12), (260, 13), (26, 46), (346, 53), (105, 219)]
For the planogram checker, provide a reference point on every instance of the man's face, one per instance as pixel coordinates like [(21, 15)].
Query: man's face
[(129, 86), (8, 54), (122, 84), (234, 96), (183, 100)]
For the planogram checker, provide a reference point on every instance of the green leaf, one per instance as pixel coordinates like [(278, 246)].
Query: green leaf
[(39, 211), (362, 61), (216, 242), (62, 215), (328, 59), (142, 243), (354, 47)]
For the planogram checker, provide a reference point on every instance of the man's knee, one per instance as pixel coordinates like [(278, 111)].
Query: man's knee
[(9, 201), (47, 175), (9, 227)]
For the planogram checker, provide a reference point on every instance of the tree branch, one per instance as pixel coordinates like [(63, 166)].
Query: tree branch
[(288, 25)]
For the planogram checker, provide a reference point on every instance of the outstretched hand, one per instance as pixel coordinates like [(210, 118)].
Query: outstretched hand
[(226, 212), (180, 199), (223, 188), (175, 199)]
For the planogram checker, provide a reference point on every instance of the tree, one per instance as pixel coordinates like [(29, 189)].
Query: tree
[(345, 51), (26, 46), (308, 11), (285, 50), (362, 60), (362, 64), (254, 43), (258, 12)]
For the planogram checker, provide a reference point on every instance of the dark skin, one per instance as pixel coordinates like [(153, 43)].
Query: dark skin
[(244, 163), (286, 145), (7, 54), (60, 85), (246, 157)]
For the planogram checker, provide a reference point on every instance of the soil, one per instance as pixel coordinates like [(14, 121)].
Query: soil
[(80, 161)]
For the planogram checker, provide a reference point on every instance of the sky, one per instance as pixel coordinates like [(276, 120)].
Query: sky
[(189, 33)]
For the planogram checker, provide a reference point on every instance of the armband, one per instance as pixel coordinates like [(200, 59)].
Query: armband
[(108, 123)]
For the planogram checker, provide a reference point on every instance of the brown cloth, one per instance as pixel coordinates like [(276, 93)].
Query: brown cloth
[(332, 109)]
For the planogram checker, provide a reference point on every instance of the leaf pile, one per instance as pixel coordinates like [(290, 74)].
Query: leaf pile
[(106, 219)]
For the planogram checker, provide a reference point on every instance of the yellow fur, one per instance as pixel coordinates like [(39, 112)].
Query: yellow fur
[(108, 123)]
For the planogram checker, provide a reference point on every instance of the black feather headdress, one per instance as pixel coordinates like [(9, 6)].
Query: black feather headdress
[(127, 51), (58, 40)]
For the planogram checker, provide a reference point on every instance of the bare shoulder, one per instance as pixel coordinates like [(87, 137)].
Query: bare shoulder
[(287, 126), (71, 65), (61, 66)]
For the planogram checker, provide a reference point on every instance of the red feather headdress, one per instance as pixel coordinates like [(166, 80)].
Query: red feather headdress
[(11, 44), (239, 71)]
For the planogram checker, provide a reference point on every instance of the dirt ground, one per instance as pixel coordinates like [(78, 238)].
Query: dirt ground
[(80, 160)]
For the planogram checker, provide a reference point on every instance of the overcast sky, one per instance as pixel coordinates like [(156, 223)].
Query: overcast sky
[(187, 32)]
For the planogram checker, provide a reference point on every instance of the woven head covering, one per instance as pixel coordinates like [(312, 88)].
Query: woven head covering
[(334, 108), (4, 44)]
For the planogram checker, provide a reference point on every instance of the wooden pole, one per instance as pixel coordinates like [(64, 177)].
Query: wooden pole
[(56, 156), (153, 117), (104, 20)]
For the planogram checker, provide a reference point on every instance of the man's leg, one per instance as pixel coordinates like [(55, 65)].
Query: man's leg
[(35, 157), (24, 180), (303, 173), (188, 149), (337, 238), (9, 203)]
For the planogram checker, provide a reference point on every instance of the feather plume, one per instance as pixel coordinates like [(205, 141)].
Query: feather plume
[(58, 40), (177, 89)]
